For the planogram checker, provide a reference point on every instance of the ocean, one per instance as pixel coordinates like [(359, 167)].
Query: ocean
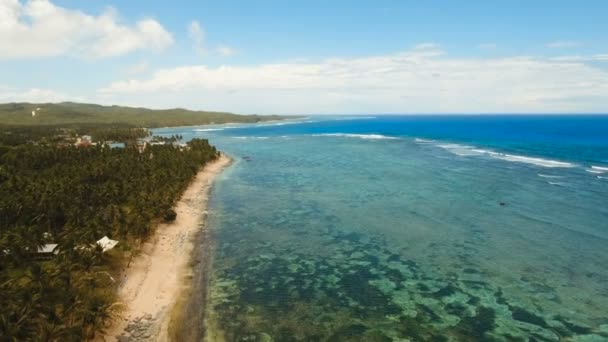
[(420, 228)]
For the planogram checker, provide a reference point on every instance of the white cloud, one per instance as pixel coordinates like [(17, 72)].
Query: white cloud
[(578, 58), (423, 79), (38, 28), (137, 68), (226, 51), (197, 35), (8, 94), (563, 44)]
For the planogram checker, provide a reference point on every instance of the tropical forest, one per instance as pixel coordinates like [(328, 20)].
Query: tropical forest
[(60, 193)]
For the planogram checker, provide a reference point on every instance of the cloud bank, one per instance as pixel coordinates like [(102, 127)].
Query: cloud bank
[(35, 95), (423, 79), (38, 28)]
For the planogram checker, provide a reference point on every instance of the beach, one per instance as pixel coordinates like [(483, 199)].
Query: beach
[(157, 276)]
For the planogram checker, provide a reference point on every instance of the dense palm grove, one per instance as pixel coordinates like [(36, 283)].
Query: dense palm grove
[(116, 134), (73, 196), (12, 135)]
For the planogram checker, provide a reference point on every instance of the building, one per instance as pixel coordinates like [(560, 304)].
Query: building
[(46, 251)]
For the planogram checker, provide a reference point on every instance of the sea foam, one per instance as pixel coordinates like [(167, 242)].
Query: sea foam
[(549, 176), (282, 123), (360, 136), (461, 150), (594, 171), (212, 129), (209, 129), (466, 151), (533, 160), (250, 138)]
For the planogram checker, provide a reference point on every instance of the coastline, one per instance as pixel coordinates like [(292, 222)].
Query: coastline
[(286, 118), (156, 278)]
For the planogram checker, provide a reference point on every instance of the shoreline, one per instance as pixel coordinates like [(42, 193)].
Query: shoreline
[(234, 123), (156, 278)]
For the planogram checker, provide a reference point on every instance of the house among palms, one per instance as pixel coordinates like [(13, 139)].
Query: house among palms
[(106, 244), (46, 251), (85, 141)]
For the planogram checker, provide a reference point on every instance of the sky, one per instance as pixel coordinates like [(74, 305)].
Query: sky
[(309, 57)]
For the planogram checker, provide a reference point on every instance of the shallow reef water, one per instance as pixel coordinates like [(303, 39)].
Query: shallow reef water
[(355, 287), (344, 238)]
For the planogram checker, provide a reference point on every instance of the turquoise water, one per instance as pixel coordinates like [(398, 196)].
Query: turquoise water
[(411, 228)]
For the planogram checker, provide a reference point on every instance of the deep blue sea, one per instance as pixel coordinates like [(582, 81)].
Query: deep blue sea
[(410, 228)]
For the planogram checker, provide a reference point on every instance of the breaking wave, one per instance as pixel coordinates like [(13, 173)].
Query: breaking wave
[(251, 138), (282, 123), (360, 136), (549, 176), (466, 150), (210, 129)]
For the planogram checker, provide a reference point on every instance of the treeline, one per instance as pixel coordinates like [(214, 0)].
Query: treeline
[(67, 113), (11, 135), (72, 197), (171, 139), (118, 134), (14, 135)]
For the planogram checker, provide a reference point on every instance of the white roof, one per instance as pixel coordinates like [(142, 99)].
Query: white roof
[(48, 248), (106, 244)]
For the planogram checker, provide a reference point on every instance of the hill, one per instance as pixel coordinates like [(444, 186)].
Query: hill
[(68, 113)]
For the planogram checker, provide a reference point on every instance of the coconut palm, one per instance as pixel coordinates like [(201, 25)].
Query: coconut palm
[(74, 196)]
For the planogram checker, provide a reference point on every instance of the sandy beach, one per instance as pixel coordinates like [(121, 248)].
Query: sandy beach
[(153, 282)]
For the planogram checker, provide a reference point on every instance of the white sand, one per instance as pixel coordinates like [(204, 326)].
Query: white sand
[(155, 278)]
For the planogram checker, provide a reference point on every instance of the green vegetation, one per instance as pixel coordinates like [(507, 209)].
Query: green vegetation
[(19, 135), (117, 134), (61, 183), (54, 192), (14, 135), (67, 113)]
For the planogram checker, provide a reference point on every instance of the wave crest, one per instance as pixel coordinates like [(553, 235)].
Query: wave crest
[(360, 136), (533, 160), (281, 123), (599, 169), (466, 151), (461, 150), (594, 171), (209, 129), (251, 138), (549, 176)]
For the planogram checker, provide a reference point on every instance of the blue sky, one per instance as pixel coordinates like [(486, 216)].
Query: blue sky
[(309, 56)]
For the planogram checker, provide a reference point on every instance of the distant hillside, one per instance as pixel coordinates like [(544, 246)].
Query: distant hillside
[(82, 113)]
